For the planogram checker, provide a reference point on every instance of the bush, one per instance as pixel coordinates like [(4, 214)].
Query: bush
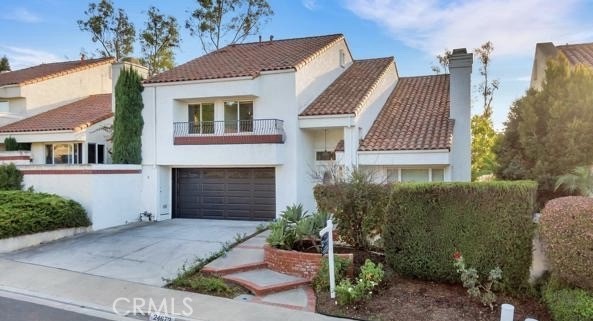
[(567, 304), (348, 293), (26, 213), (211, 285), (489, 222), (10, 178), (566, 229), (321, 280), (357, 206), (10, 144)]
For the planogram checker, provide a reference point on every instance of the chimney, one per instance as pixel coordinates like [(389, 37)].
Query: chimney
[(259, 38), (460, 69)]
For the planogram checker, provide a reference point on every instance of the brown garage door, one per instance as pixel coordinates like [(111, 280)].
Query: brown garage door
[(224, 193)]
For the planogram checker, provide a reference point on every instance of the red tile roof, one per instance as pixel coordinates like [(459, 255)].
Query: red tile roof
[(349, 91), (249, 59), (578, 53), (47, 71), (415, 117), (74, 116)]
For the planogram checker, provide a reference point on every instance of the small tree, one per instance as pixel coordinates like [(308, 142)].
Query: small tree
[(10, 178), (109, 27), (128, 123), (158, 40), (10, 144), (4, 64), (221, 22)]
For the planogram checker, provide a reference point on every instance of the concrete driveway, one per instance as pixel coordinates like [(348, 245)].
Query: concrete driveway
[(145, 253)]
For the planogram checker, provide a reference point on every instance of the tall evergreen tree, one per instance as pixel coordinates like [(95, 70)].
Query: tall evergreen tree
[(4, 64), (128, 123), (548, 132)]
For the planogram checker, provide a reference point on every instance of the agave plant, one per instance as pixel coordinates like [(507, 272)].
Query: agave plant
[(297, 229)]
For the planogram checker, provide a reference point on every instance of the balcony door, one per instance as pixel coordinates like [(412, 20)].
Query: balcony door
[(238, 116), (201, 118)]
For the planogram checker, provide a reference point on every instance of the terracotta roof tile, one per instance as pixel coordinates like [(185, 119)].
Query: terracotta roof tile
[(249, 59), (47, 71), (415, 117), (578, 53), (77, 115), (349, 91)]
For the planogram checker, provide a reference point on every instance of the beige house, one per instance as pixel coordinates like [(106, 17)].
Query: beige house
[(59, 112), (575, 53)]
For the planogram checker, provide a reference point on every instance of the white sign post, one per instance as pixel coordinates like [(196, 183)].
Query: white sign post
[(327, 247)]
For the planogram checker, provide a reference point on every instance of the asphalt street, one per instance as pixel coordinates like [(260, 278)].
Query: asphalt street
[(16, 310)]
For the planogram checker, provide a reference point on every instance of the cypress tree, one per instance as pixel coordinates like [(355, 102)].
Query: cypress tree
[(128, 123)]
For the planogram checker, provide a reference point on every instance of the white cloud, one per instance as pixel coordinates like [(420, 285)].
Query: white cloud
[(310, 4), (25, 57), (22, 15), (513, 26)]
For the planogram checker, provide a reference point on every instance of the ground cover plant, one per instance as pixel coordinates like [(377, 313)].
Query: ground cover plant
[(25, 212)]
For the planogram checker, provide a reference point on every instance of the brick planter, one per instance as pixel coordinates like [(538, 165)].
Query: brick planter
[(295, 263)]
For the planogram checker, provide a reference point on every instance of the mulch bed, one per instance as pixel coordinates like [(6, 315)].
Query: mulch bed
[(405, 299)]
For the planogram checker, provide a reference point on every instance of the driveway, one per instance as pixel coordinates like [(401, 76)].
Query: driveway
[(146, 253)]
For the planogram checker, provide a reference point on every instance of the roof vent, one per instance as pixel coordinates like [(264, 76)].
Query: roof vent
[(271, 38)]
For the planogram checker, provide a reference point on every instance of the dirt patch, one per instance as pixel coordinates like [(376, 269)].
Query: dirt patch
[(404, 299)]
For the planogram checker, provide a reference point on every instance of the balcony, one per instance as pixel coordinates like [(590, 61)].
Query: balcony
[(256, 131)]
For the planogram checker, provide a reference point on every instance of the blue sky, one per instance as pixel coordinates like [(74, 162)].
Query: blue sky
[(414, 31)]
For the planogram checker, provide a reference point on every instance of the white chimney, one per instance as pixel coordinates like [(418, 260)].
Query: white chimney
[(460, 69)]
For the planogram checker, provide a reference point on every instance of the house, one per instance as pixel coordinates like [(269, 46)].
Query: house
[(59, 112), (239, 133), (577, 54)]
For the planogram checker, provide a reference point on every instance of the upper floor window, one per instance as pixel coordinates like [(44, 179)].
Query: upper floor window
[(325, 156), (342, 58), (238, 116), (201, 118), (4, 107), (63, 153)]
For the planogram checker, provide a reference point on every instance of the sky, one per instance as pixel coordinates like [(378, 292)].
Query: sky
[(413, 31)]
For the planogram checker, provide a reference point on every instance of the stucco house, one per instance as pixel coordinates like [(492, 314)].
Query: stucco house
[(59, 111), (239, 133), (575, 53)]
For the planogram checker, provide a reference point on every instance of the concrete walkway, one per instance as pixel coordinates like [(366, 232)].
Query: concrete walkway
[(144, 253), (245, 266), (100, 293)]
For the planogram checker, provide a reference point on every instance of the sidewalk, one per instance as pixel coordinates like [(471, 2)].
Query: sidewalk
[(100, 293)]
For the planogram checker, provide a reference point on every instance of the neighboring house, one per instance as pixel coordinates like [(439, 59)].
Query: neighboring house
[(59, 112), (577, 54), (239, 133)]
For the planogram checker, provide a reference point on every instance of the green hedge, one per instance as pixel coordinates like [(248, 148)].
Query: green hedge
[(490, 223), (27, 212), (568, 304), (10, 178)]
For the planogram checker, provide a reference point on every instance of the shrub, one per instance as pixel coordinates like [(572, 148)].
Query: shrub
[(357, 206), (568, 304), (26, 213), (321, 280), (489, 222), (483, 291), (212, 285), (566, 229), (371, 274), (10, 178), (10, 144), (297, 230)]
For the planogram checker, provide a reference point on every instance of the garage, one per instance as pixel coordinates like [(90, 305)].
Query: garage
[(224, 193)]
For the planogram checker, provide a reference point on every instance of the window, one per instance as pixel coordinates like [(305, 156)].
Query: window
[(414, 175), (63, 153), (238, 116), (342, 58), (96, 153), (392, 175), (325, 156), (438, 175), (4, 107), (201, 118)]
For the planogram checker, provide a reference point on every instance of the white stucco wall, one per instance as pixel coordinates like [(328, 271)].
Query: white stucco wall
[(109, 199), (460, 68)]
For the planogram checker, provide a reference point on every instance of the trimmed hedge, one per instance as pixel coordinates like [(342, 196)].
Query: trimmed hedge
[(490, 223), (10, 178), (27, 212), (567, 304), (566, 229)]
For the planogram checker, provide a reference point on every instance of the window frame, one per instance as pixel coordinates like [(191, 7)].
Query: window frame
[(200, 127), (397, 171), (242, 125), (75, 153)]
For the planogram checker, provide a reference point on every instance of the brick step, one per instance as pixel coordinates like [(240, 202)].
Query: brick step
[(222, 271), (265, 281)]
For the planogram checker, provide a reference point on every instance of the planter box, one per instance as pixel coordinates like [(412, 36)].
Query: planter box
[(23, 241), (305, 265)]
